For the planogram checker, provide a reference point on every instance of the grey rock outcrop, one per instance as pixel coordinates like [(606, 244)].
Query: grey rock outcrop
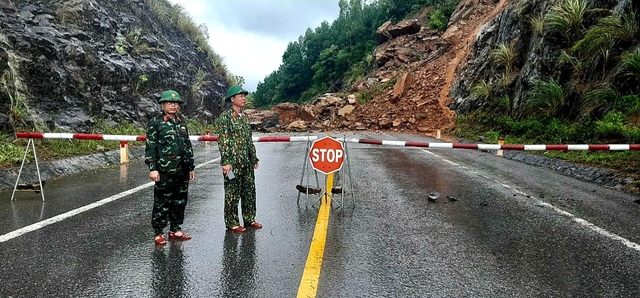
[(65, 64)]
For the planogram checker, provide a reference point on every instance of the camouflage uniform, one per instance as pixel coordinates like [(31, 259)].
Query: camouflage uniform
[(169, 151), (237, 149)]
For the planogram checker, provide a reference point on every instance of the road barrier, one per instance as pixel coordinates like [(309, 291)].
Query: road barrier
[(124, 139), (583, 147), (129, 138), (439, 145)]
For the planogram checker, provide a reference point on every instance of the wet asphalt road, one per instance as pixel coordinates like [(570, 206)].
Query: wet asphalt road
[(513, 231)]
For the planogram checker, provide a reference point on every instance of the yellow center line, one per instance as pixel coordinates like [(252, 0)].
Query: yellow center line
[(309, 283)]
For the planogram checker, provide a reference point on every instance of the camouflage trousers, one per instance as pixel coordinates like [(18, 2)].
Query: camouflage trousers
[(169, 201), (241, 190)]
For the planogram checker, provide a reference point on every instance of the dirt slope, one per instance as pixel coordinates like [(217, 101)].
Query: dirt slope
[(423, 106)]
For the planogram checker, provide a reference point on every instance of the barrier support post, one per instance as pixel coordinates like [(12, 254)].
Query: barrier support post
[(124, 152), (500, 142), (207, 133), (438, 134), (30, 145)]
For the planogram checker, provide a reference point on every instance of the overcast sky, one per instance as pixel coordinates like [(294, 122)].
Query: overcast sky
[(252, 35)]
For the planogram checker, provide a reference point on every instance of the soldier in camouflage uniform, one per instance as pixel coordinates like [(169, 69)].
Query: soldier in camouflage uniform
[(169, 156), (238, 161)]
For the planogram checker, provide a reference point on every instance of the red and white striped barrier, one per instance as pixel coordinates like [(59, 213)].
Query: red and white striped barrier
[(128, 138), (584, 147)]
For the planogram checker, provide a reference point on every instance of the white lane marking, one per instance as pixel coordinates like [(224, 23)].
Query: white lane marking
[(580, 221), (63, 216), (593, 227), (443, 159)]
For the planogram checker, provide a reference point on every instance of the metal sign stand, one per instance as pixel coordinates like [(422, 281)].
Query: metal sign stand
[(24, 158), (338, 189), (324, 194), (342, 178), (305, 172)]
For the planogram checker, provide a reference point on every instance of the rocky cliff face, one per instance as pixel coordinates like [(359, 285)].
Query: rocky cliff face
[(536, 55), (65, 64)]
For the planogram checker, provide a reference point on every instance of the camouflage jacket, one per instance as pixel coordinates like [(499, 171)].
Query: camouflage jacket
[(234, 140), (168, 148)]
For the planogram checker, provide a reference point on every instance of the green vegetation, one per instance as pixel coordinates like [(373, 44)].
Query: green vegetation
[(537, 23), (11, 84), (199, 81), (132, 42), (546, 130), (594, 98), (198, 128), (548, 98), (335, 55), (141, 80), (566, 18), (505, 55)]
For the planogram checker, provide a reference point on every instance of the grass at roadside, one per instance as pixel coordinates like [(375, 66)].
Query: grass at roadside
[(623, 162), (12, 151)]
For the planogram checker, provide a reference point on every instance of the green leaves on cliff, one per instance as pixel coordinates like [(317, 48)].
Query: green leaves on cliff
[(548, 98), (631, 63), (332, 56), (599, 64), (566, 18)]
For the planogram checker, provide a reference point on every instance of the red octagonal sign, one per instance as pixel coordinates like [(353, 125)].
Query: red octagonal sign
[(327, 155)]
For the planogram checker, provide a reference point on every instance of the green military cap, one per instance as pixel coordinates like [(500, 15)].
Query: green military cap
[(170, 96), (233, 91)]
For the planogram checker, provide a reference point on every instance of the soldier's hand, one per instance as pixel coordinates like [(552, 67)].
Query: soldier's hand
[(192, 175), (154, 176), (226, 169)]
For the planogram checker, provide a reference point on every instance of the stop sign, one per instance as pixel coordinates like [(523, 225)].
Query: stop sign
[(327, 155)]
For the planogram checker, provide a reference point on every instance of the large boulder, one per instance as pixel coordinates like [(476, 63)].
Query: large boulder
[(287, 111), (389, 31)]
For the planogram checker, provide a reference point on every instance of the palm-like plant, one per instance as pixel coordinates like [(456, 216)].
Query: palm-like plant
[(537, 23), (504, 55), (505, 104), (631, 63), (607, 33), (600, 101), (576, 64), (547, 97), (566, 18), (482, 88), (198, 83)]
